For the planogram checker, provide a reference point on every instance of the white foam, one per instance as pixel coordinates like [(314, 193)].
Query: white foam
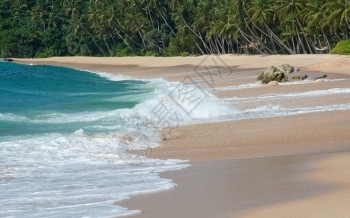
[(314, 93), (273, 110), (109, 76), (74, 175), (12, 117), (308, 81), (259, 84), (188, 102), (243, 86)]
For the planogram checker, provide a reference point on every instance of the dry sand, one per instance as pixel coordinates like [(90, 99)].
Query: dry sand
[(178, 67), (290, 166)]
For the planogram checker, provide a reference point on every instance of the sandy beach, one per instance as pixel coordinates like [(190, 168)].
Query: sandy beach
[(280, 166)]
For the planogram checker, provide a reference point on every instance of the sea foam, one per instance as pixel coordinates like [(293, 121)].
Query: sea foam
[(85, 171), (314, 93)]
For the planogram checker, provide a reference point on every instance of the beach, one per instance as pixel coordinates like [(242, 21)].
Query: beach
[(286, 157)]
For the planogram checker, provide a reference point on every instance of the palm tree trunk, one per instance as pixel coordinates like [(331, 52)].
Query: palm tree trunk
[(182, 18), (300, 42), (279, 40), (326, 39), (304, 35), (257, 38), (166, 22), (93, 39), (108, 48)]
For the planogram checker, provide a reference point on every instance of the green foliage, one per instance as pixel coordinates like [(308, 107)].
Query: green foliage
[(83, 50), (47, 52), (125, 52), (7, 43), (342, 47), (172, 49), (141, 53), (72, 44), (149, 53), (4, 53), (41, 28), (185, 54)]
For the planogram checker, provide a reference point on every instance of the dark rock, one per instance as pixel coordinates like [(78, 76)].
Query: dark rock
[(321, 77), (300, 77), (8, 59)]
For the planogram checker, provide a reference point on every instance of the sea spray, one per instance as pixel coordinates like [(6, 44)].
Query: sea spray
[(64, 135)]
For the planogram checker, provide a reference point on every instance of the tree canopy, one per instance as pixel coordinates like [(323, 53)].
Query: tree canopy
[(43, 28)]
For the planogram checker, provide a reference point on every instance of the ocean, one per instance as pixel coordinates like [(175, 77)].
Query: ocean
[(65, 133)]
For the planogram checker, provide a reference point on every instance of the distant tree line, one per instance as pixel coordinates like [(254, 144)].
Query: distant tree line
[(43, 28)]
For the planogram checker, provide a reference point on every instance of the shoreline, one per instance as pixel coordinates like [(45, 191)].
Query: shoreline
[(247, 185), (148, 67), (322, 134)]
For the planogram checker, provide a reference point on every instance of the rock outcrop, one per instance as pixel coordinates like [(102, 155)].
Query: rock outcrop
[(286, 68), (278, 74)]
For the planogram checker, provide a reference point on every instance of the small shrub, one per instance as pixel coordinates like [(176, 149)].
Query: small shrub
[(185, 54), (141, 52), (124, 52), (47, 52), (170, 52), (342, 47), (149, 53), (172, 49), (84, 51)]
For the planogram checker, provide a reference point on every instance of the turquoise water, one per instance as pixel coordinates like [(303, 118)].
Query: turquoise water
[(33, 98), (63, 151), (65, 136)]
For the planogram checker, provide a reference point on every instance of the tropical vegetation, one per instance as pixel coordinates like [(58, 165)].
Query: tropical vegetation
[(342, 47), (42, 28)]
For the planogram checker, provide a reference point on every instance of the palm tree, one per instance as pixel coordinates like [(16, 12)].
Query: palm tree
[(292, 9), (73, 8), (315, 15), (262, 15), (160, 8), (37, 14), (339, 15)]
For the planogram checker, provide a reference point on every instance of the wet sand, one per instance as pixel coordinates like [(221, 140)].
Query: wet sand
[(234, 187), (288, 166)]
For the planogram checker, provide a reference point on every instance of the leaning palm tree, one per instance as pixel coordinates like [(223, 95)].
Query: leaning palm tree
[(339, 15), (291, 9), (315, 15), (262, 15)]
